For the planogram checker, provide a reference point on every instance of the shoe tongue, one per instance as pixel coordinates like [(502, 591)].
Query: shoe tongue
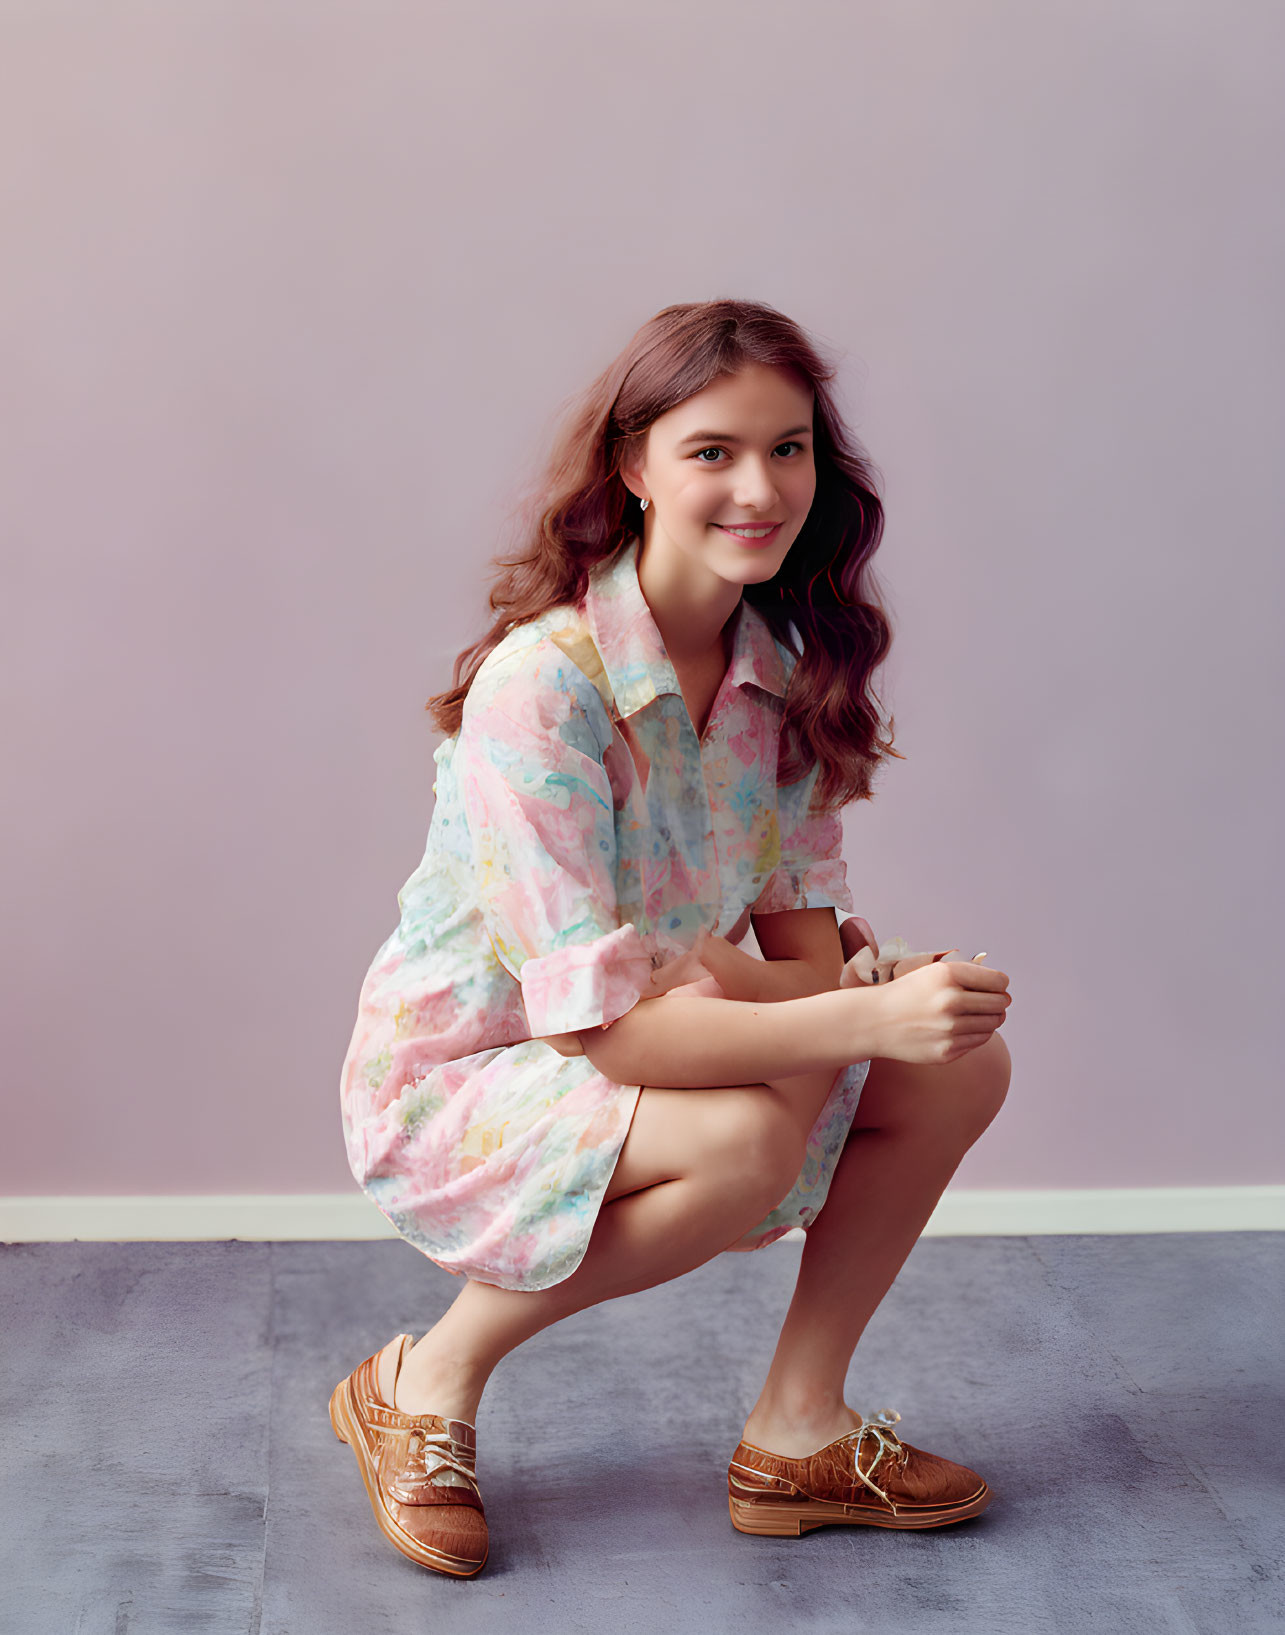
[(405, 1347), (397, 1348)]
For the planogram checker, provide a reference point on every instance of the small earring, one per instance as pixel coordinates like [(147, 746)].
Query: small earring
[(642, 505)]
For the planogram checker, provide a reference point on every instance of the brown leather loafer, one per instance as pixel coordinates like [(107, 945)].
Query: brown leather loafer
[(867, 1478), (419, 1471)]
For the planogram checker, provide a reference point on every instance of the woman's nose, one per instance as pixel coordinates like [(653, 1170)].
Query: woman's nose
[(754, 487)]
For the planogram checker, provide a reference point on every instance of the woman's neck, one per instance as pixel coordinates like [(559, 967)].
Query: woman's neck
[(693, 608)]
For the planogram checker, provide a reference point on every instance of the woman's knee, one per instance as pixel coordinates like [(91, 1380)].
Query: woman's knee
[(954, 1101), (980, 1087), (992, 1078)]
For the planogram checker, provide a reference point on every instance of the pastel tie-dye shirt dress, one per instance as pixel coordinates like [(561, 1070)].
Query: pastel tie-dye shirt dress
[(581, 834)]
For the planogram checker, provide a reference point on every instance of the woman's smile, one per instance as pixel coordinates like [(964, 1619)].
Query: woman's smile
[(751, 534)]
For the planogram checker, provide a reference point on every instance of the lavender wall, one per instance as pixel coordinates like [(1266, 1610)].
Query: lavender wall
[(290, 298)]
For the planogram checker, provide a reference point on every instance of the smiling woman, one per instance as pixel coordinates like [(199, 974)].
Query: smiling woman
[(646, 753), (816, 589), (716, 526)]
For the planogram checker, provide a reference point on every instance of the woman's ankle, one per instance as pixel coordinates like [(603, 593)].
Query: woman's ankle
[(430, 1383), (794, 1426)]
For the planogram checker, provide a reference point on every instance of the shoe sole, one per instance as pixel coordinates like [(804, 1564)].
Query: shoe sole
[(791, 1518), (345, 1426)]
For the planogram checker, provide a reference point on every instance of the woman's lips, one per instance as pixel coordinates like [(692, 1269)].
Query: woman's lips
[(751, 539)]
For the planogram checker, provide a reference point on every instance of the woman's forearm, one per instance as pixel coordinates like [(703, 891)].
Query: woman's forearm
[(691, 1043), (741, 976)]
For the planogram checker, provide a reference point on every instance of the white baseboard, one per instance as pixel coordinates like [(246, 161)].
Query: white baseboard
[(347, 1215)]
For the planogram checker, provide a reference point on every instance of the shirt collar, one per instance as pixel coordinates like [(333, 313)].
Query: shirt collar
[(633, 652)]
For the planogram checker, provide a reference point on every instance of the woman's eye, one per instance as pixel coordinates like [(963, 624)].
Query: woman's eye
[(715, 450)]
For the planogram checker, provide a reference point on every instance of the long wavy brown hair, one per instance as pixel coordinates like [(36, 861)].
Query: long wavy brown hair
[(823, 603)]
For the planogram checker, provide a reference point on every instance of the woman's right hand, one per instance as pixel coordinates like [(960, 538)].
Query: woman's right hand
[(939, 1012)]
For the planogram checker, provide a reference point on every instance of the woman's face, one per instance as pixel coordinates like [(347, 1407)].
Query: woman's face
[(736, 455)]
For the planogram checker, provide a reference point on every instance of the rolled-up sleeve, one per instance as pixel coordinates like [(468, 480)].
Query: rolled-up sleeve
[(811, 872), (542, 829)]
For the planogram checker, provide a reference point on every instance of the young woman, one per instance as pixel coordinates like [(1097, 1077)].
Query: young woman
[(647, 753)]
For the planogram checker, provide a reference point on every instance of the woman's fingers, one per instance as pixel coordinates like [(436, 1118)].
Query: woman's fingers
[(977, 1027), (688, 967), (707, 987), (969, 974), (675, 974)]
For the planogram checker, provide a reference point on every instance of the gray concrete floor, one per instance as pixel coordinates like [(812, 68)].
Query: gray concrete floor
[(168, 1464)]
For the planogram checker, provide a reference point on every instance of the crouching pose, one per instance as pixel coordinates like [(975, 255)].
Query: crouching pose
[(567, 1082)]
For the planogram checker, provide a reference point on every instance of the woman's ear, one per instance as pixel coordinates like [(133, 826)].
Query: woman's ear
[(631, 476)]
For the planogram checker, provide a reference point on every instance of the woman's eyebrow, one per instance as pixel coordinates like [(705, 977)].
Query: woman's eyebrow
[(726, 437)]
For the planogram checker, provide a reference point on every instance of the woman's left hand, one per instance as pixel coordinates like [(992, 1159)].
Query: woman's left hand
[(690, 974), (866, 962)]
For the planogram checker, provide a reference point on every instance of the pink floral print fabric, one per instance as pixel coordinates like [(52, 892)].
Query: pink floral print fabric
[(581, 834)]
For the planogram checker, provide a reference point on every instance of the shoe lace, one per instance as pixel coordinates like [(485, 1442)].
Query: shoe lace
[(887, 1445), (435, 1457)]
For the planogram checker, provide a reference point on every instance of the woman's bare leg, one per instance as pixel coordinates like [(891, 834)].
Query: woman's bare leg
[(697, 1169), (913, 1125)]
